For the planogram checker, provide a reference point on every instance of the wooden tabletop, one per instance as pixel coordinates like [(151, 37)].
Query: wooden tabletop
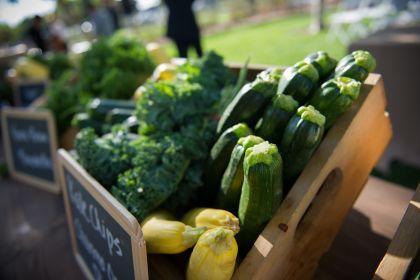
[(34, 240)]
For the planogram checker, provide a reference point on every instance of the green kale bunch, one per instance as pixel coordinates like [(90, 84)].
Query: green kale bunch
[(187, 192), (166, 106), (105, 157), (114, 68), (184, 109), (177, 128), (208, 71), (58, 64), (63, 100), (159, 167)]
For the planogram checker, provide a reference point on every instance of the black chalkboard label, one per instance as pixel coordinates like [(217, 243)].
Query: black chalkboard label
[(28, 92), (30, 145), (102, 243)]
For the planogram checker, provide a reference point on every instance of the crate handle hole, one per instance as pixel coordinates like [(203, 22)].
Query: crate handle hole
[(326, 192)]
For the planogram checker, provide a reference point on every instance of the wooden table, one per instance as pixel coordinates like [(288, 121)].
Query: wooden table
[(34, 240)]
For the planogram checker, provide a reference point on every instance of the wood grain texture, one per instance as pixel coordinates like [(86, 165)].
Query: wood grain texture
[(405, 245), (310, 216)]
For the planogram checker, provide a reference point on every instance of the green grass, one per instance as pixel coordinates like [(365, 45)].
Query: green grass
[(280, 42), (283, 41)]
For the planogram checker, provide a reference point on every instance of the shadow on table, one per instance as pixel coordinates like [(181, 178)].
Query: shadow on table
[(356, 251)]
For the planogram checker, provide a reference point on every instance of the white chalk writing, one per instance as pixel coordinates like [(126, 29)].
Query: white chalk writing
[(91, 216), (41, 161), (29, 134)]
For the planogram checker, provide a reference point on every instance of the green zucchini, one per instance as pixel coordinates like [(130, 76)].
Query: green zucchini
[(83, 120), (262, 191), (230, 190), (322, 62), (299, 81), (219, 158), (276, 116), (98, 108), (301, 137), (249, 103), (356, 65), (132, 124), (335, 97), (118, 115)]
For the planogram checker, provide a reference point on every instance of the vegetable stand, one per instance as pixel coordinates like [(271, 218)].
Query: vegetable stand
[(308, 218)]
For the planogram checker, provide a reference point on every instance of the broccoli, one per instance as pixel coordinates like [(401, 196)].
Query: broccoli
[(106, 157)]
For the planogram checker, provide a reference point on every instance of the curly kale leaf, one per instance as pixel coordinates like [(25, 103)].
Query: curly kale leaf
[(187, 193), (93, 66), (119, 84), (129, 54), (106, 157), (58, 64), (166, 106), (209, 71), (159, 167), (114, 68), (63, 100)]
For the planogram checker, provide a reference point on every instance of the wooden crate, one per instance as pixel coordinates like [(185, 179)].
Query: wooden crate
[(402, 259), (307, 220)]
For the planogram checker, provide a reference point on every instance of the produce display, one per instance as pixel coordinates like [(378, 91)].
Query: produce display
[(111, 69), (203, 162)]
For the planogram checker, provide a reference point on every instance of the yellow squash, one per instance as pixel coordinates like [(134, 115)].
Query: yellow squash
[(213, 256), (166, 236), (211, 218)]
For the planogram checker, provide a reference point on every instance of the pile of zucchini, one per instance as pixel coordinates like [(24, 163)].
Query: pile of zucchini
[(101, 114), (270, 130)]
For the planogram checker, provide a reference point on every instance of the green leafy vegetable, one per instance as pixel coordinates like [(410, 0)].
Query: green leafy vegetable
[(104, 157), (114, 68)]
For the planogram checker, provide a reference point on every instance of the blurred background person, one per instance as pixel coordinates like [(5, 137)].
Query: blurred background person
[(36, 34), (182, 27), (58, 35), (112, 10), (101, 20)]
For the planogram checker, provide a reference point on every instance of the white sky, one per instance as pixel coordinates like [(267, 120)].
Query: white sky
[(13, 13)]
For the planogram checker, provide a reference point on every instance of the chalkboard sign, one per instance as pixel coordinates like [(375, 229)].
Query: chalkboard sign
[(106, 238), (26, 92), (31, 145)]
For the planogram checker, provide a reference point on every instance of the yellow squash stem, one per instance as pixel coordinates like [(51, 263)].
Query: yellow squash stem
[(211, 218), (168, 237)]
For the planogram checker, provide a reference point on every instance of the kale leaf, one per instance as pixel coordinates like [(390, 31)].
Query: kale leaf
[(105, 157)]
